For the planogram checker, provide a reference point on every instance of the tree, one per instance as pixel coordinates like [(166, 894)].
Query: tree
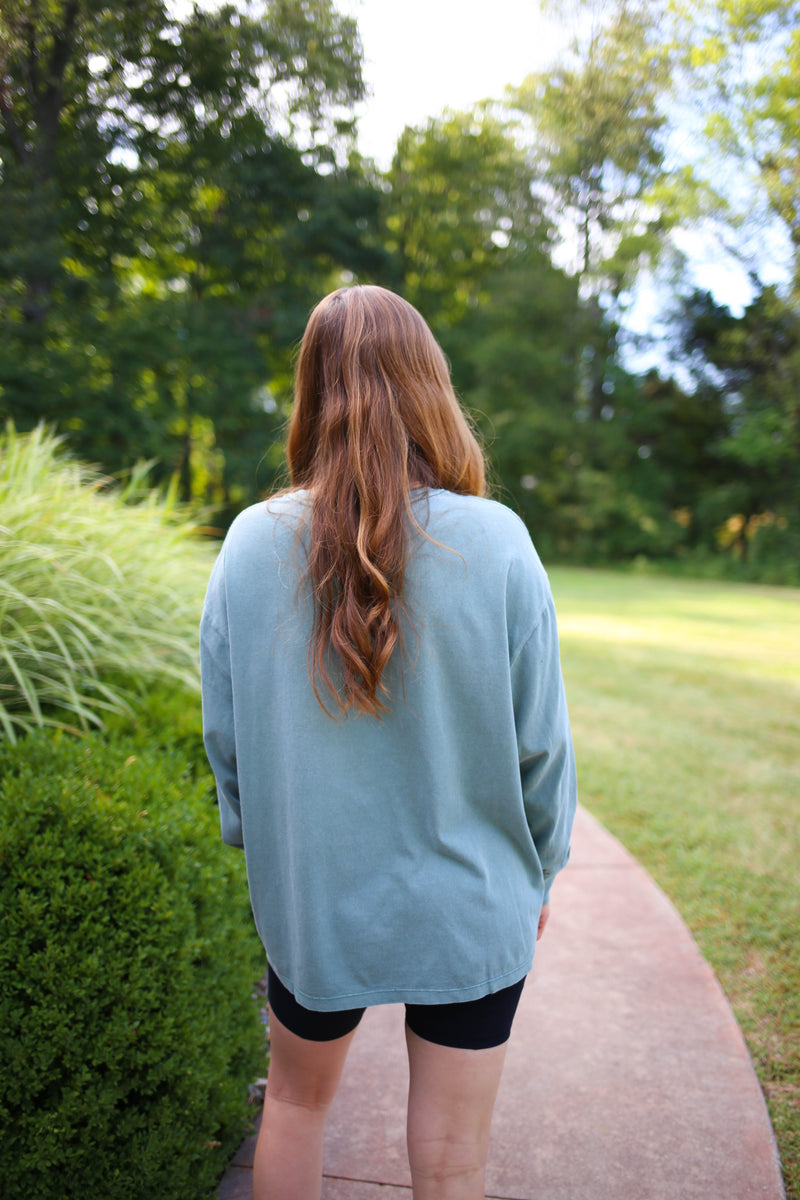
[(752, 365), (631, 486), (176, 192), (98, 96), (515, 368), (458, 204), (474, 250), (777, 119), (594, 126), (596, 130), (739, 61)]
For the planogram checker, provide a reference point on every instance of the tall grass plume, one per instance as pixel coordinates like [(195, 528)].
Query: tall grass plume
[(100, 588)]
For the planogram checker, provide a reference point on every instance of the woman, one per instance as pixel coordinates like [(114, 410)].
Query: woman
[(385, 718)]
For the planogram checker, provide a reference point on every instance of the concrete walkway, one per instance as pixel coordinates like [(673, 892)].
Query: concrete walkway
[(627, 1077)]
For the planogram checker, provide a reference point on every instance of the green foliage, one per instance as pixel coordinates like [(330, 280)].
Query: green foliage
[(458, 206), (100, 589), (751, 365), (740, 64), (529, 356), (316, 55), (590, 490), (778, 116), (128, 1031), (180, 187), (597, 139), (595, 129), (166, 718), (177, 191)]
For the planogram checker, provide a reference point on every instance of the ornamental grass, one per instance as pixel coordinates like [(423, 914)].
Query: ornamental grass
[(101, 586)]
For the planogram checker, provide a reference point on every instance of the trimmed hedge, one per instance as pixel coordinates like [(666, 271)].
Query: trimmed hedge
[(128, 1029)]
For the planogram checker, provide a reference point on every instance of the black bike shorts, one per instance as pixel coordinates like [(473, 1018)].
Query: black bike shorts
[(469, 1025)]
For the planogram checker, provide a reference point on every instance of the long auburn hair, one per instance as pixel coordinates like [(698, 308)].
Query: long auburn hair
[(375, 416)]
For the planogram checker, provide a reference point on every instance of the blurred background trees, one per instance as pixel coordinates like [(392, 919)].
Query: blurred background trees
[(176, 193), (178, 186)]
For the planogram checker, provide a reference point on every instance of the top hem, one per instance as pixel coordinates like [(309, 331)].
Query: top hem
[(372, 997)]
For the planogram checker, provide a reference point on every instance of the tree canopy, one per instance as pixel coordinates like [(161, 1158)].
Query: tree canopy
[(178, 187)]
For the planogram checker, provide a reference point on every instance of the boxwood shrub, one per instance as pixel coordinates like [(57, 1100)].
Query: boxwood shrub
[(128, 1029)]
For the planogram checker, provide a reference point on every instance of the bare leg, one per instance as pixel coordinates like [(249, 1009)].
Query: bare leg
[(450, 1102), (302, 1082)]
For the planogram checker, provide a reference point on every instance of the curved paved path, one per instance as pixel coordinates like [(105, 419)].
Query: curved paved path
[(627, 1077)]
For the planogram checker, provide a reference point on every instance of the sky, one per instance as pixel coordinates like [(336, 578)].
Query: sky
[(426, 55)]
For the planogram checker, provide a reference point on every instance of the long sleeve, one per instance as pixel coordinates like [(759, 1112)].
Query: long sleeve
[(547, 764), (218, 720)]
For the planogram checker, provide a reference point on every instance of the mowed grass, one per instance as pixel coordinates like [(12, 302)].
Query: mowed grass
[(685, 704)]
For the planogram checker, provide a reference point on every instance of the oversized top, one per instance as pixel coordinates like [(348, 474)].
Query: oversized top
[(404, 858)]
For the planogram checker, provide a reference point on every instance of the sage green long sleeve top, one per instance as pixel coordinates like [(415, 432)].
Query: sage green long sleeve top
[(406, 858)]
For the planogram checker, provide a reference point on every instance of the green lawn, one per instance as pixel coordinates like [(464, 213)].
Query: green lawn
[(685, 703)]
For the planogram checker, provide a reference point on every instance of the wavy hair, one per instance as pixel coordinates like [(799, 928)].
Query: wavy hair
[(375, 416)]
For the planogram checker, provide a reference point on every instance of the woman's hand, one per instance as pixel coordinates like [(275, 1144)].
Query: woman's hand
[(543, 919)]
